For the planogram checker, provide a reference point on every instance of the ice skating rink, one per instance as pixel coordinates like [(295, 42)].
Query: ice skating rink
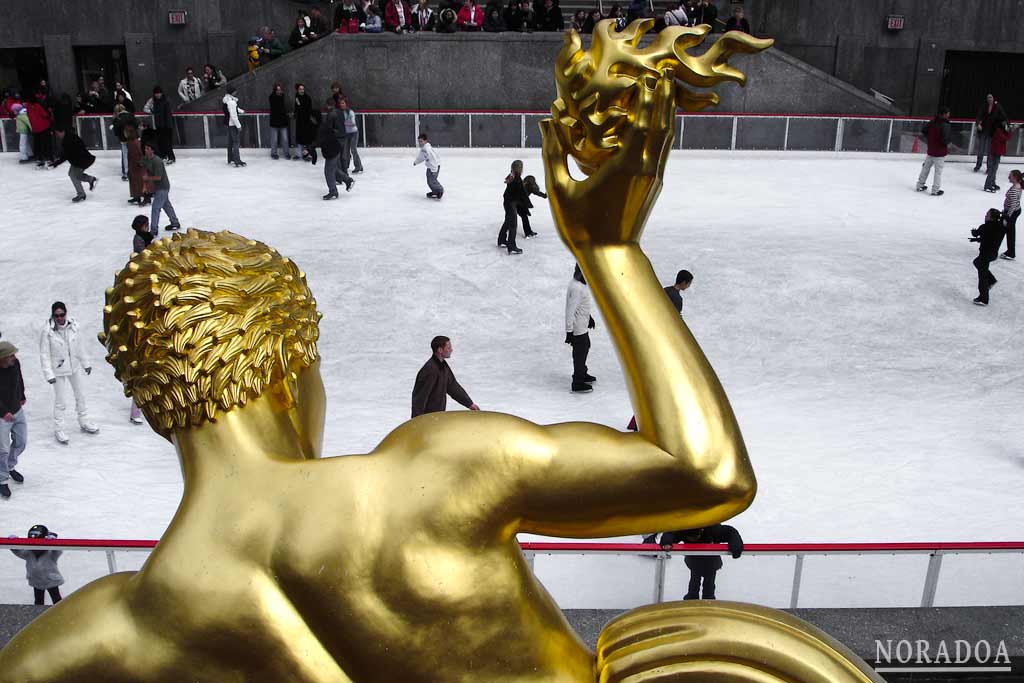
[(877, 403)]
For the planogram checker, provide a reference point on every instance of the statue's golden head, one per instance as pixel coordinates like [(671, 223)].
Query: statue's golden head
[(204, 322), (596, 87)]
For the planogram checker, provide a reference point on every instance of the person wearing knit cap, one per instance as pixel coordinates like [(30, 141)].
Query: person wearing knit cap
[(64, 361), (13, 425)]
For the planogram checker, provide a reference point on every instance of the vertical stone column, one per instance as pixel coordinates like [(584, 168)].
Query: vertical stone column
[(60, 64), (931, 65), (141, 66)]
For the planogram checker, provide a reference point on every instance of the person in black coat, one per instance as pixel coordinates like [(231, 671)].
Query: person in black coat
[(307, 120), (279, 123), (989, 236), (704, 13), (514, 197), (435, 382), (529, 187), (73, 150), (737, 22), (331, 148), (163, 123), (704, 567), (990, 115)]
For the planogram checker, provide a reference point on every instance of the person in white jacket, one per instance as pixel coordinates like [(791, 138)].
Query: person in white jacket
[(578, 322), (190, 88), (64, 362), (428, 155), (231, 112)]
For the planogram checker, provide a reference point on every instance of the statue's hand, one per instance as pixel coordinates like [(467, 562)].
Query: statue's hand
[(611, 205)]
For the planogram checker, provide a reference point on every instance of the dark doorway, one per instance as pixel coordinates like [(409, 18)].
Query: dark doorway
[(22, 68), (108, 61), (969, 76)]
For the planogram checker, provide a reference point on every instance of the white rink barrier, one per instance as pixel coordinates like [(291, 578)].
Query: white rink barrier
[(778, 132), (602, 575)]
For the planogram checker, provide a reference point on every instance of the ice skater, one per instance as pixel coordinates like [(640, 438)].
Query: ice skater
[(13, 423), (160, 184), (429, 156), (938, 133), (1000, 136), (578, 323), (24, 129), (231, 112), (1011, 211), (684, 279), (435, 382), (529, 187), (514, 196), (41, 567), (64, 362), (989, 236), (73, 150), (331, 149)]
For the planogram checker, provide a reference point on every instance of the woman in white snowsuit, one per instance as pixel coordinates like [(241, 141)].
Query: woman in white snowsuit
[(64, 361)]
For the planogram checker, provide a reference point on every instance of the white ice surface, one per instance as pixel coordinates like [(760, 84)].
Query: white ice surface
[(834, 302)]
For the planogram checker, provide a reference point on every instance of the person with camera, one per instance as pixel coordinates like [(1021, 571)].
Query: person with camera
[(988, 235)]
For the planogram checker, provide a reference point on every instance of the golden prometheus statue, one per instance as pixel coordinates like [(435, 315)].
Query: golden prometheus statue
[(401, 565)]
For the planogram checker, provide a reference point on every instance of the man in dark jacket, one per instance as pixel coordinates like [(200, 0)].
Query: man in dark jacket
[(684, 279), (704, 13), (990, 114), (989, 236), (163, 124), (435, 382), (938, 134), (73, 150), (704, 567), (13, 424)]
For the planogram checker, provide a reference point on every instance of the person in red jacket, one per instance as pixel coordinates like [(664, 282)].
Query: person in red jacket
[(1000, 136), (41, 118), (398, 17), (938, 134), (471, 17)]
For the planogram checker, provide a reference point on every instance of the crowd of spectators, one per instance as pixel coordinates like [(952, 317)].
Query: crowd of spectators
[(451, 16)]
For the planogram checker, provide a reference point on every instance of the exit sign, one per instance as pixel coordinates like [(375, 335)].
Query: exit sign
[(895, 22), (177, 17)]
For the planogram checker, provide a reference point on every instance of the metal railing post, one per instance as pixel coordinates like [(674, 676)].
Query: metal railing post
[(111, 562), (416, 123), (785, 137), (839, 135), (530, 557), (522, 131), (362, 127), (206, 131), (103, 133), (970, 141), (931, 579), (888, 140), (682, 128), (659, 577), (78, 125), (732, 145), (798, 572), (3, 135), (470, 117)]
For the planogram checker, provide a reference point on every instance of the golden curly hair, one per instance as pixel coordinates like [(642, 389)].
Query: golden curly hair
[(204, 322)]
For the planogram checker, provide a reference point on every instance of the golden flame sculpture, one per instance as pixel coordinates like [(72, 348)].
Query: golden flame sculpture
[(402, 565)]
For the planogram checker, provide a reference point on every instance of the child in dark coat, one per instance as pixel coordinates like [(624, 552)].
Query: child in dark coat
[(988, 235), (41, 567), (530, 187)]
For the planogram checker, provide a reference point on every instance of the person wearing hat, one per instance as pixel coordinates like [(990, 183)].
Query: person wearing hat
[(24, 128), (41, 566), (703, 567), (63, 361), (13, 425)]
